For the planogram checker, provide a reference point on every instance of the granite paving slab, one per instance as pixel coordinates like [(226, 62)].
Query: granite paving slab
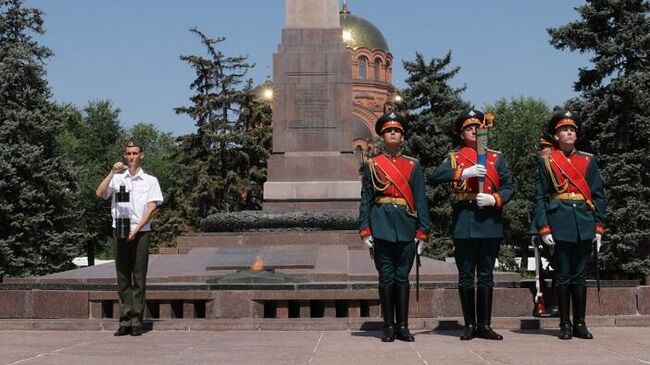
[(612, 345)]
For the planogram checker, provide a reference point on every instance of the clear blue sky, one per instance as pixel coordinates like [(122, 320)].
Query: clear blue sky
[(128, 50)]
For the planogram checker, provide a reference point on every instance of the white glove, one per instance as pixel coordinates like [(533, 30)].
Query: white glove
[(474, 171), (420, 246), (598, 240), (548, 240), (369, 241), (485, 200)]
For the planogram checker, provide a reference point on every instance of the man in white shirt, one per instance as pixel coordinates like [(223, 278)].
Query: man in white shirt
[(132, 253)]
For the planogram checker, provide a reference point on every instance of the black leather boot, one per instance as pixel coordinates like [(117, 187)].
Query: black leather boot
[(564, 303), (123, 331), (467, 303), (388, 312), (403, 333), (484, 314), (579, 295)]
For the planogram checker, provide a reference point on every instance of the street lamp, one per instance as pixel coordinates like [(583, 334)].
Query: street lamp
[(268, 93)]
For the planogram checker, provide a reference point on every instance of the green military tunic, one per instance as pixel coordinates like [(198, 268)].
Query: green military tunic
[(468, 220), (570, 220), (393, 222), (383, 213), (562, 211)]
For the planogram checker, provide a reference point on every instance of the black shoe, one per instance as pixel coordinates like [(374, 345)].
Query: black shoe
[(404, 334), (486, 332), (565, 331), (123, 331), (137, 331), (389, 334), (580, 330), (469, 332)]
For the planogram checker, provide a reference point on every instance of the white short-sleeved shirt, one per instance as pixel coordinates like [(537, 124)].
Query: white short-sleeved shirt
[(143, 188)]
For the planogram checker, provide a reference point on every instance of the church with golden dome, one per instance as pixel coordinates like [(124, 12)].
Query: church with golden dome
[(372, 86)]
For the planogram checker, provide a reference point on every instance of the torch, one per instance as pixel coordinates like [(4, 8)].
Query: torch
[(481, 145)]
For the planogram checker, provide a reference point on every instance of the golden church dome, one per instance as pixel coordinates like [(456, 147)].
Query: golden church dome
[(358, 32)]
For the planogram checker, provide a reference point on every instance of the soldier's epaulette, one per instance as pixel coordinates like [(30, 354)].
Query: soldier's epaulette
[(491, 150), (410, 158), (584, 153)]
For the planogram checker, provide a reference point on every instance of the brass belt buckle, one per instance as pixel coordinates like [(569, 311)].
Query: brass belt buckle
[(573, 196)]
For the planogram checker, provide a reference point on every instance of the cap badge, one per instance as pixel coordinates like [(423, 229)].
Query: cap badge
[(568, 114), (392, 115), (471, 113)]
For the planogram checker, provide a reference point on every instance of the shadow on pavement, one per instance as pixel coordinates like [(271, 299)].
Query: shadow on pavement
[(376, 334), (542, 332), (436, 332)]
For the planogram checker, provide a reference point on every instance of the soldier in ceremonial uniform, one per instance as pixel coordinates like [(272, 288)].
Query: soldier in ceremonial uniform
[(393, 222), (570, 215), (477, 229)]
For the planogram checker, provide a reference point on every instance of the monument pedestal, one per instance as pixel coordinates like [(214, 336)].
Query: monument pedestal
[(316, 182), (312, 166)]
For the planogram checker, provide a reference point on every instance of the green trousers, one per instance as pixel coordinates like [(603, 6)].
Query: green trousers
[(570, 262), (393, 261), (476, 256), (131, 261)]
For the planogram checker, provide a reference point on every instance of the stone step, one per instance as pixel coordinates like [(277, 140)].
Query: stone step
[(310, 324), (360, 303), (188, 241)]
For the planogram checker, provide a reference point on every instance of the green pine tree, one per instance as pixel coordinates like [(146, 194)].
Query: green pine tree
[(254, 142), (222, 166), (614, 104), (433, 105), (38, 202)]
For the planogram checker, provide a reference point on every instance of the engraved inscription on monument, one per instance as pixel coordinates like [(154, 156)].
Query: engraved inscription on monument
[(312, 104)]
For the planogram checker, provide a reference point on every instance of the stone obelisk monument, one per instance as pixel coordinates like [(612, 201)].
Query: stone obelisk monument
[(312, 166)]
